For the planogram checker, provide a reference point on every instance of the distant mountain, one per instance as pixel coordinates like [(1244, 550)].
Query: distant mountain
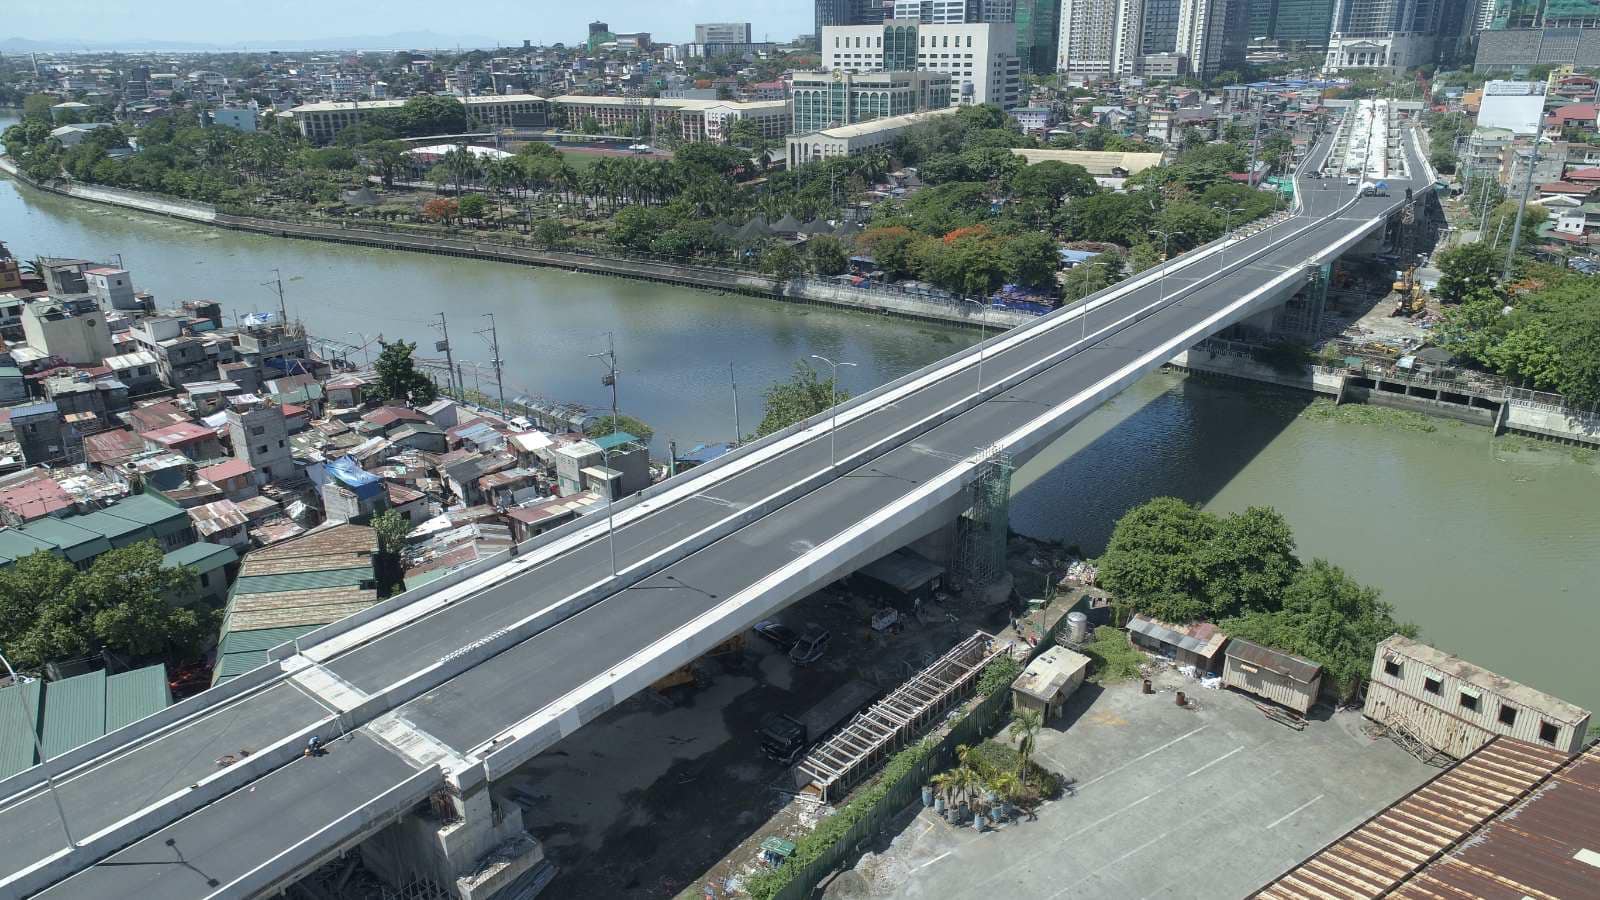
[(400, 40)]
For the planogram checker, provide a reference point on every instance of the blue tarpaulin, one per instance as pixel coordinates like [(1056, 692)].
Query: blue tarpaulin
[(362, 483)]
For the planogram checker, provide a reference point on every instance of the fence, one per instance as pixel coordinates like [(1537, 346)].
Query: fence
[(906, 789)]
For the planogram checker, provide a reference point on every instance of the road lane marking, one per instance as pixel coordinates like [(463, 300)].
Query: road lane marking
[(1293, 812), (1215, 761), (932, 861)]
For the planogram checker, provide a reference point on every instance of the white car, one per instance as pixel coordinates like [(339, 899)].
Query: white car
[(1352, 181)]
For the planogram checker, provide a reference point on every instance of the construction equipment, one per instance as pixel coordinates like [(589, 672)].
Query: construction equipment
[(1411, 301), (698, 672)]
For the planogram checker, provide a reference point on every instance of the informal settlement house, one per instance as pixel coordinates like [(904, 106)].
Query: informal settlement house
[(1048, 681), (1198, 644), (1283, 678), (1456, 707)]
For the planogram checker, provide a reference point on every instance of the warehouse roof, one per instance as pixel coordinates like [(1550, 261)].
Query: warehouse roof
[(1387, 851), (1097, 162)]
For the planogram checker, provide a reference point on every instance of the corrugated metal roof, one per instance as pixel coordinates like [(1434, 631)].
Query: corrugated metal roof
[(1286, 664), (16, 743), (302, 581), (232, 665), (15, 544), (130, 696), (202, 555), (1384, 852), (262, 639), (74, 712)]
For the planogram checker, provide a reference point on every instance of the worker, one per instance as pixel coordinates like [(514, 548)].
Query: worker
[(313, 746)]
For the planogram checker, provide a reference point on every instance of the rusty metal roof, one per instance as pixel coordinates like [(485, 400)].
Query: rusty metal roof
[(1288, 665), (1536, 849), (1386, 852)]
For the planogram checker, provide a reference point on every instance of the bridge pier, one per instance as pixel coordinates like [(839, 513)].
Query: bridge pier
[(469, 844)]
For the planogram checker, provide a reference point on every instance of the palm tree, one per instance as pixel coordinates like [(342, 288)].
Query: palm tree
[(1025, 726)]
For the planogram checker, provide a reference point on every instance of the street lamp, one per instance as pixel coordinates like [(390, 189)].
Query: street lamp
[(983, 335), (611, 526), (1227, 215), (366, 344), (1166, 241), (1083, 314), (38, 746), (833, 426)]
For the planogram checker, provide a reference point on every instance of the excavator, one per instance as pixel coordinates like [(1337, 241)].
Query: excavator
[(1411, 301)]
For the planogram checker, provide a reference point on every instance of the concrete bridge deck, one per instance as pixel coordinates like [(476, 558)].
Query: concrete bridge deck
[(461, 686)]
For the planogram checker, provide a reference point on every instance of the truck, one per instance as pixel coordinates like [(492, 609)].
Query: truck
[(1375, 189), (784, 738)]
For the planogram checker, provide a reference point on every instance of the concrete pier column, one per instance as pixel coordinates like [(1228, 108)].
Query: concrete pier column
[(469, 844)]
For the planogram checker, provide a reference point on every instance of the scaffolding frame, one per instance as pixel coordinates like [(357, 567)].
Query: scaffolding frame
[(843, 760), (1303, 315), (981, 551)]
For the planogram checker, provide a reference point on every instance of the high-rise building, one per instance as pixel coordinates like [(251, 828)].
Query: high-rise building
[(1303, 23), (1517, 35), (1212, 35), (956, 12), (722, 33), (980, 58), (831, 99), (1263, 18), (1100, 38), (851, 12), (1038, 31), (1159, 31), (1384, 34)]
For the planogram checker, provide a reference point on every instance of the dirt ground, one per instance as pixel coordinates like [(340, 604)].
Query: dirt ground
[(665, 793)]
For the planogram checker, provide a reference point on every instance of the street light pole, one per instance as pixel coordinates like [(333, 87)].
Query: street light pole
[(366, 345), (611, 526), (833, 426), (1227, 216), (738, 432), (1166, 242), (38, 746), (983, 335)]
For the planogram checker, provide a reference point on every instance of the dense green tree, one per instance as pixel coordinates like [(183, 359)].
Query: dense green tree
[(1030, 259), (891, 248), (473, 206), (828, 256), (1116, 218), (388, 565), (804, 395), (781, 261), (943, 208), (398, 378), (1052, 182), (1466, 269), (1328, 617)]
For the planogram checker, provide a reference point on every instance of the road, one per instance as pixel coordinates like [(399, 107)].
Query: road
[(464, 712)]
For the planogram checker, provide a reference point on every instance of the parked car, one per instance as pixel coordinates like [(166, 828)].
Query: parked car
[(811, 645), (777, 632)]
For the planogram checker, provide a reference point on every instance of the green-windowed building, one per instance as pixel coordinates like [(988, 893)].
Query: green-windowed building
[(823, 100)]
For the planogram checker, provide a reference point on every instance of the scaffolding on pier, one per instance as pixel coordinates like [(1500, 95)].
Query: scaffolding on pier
[(981, 548)]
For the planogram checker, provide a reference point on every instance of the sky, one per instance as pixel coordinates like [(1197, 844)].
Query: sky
[(510, 21)]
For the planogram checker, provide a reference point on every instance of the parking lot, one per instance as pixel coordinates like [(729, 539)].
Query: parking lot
[(1207, 802), (667, 791)]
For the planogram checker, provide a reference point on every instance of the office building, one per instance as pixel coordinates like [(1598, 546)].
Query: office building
[(1038, 33), (695, 120), (850, 12), (980, 59), (1263, 18), (1158, 32), (1212, 35), (1517, 35), (1302, 23), (319, 122), (722, 33), (831, 99), (852, 140), (1394, 35), (956, 12)]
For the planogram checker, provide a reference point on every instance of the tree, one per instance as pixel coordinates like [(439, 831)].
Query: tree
[(781, 261), (1052, 181), (440, 209), (1088, 277), (1466, 269), (1115, 218), (549, 233), (1024, 727), (37, 106), (827, 254), (1328, 617), (804, 395), (388, 566), (398, 378), (128, 602), (473, 206), (1031, 259), (607, 425)]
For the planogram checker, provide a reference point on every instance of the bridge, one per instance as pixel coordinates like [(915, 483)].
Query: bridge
[(426, 699)]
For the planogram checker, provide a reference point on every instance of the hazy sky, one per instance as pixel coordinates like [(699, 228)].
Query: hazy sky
[(510, 21)]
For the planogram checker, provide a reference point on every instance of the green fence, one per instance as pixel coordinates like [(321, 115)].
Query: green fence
[(984, 719)]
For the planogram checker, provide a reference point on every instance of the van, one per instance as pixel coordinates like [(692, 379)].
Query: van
[(1352, 181)]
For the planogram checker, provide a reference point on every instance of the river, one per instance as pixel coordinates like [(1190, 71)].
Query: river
[(1492, 548)]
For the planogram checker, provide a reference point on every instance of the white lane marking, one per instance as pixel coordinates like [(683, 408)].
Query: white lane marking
[(1118, 861), (1215, 761), (1106, 818), (932, 861), (1293, 812), (1145, 755)]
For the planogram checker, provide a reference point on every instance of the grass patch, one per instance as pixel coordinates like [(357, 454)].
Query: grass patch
[(1361, 414), (998, 674), (580, 162), (1113, 658)]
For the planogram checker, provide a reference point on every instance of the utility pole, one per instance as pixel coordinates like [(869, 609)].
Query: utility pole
[(449, 359), (609, 357), (1522, 206), (277, 284), (738, 431), (494, 347)]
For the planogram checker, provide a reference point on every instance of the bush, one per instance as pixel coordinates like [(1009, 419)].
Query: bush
[(1113, 658), (811, 847), (992, 758), (998, 674)]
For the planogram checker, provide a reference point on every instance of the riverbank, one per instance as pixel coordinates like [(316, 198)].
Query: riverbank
[(1504, 410), (818, 291)]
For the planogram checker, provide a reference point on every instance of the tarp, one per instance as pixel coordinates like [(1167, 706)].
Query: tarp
[(362, 483)]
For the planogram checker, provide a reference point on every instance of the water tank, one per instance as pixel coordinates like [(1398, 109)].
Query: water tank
[(1077, 627)]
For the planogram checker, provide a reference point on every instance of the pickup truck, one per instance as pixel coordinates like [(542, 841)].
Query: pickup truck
[(784, 738)]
